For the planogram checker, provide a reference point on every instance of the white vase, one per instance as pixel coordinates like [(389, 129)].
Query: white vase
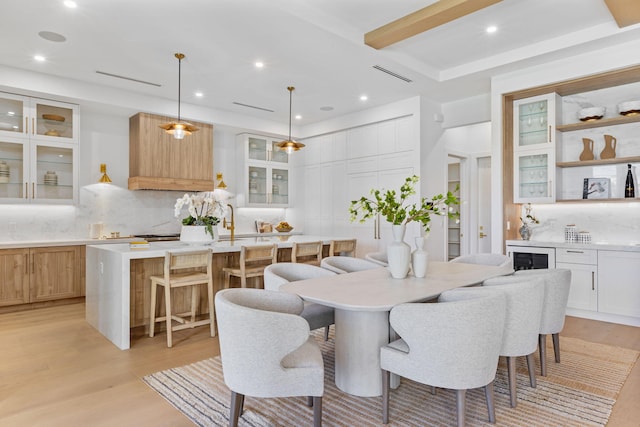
[(419, 259), (399, 253), (197, 234)]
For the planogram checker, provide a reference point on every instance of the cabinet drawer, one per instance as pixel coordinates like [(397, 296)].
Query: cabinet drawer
[(577, 256)]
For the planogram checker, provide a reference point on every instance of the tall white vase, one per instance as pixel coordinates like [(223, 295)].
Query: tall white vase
[(399, 253), (419, 259), (197, 234)]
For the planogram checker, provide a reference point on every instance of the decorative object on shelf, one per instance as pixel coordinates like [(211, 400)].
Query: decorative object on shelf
[(52, 123), (4, 172), (104, 178), (54, 117), (609, 151), (205, 211), (179, 129), (290, 145), (629, 187), (419, 258), (50, 178), (570, 233), (590, 114), (528, 219), (587, 152), (584, 237), (629, 108), (596, 188), (399, 252), (283, 227), (391, 206)]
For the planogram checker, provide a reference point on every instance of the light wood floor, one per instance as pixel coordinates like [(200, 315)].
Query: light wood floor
[(56, 370)]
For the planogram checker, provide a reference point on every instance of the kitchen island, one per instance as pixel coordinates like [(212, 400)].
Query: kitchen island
[(117, 277)]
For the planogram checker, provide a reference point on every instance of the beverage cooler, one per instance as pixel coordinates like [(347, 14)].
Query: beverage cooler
[(531, 257)]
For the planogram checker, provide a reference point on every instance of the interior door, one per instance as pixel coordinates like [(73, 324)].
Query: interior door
[(484, 204)]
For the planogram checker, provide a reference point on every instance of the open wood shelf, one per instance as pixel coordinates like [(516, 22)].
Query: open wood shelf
[(599, 123), (578, 163)]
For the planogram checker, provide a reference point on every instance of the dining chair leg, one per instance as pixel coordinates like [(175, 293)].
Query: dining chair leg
[(385, 396), (531, 366), (212, 313), (326, 333), (460, 406), (194, 302), (235, 408), (556, 346), (167, 305), (152, 309), (542, 347), (317, 411), (511, 372), (491, 408)]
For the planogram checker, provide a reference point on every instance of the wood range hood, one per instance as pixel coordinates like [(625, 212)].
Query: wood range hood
[(157, 161)]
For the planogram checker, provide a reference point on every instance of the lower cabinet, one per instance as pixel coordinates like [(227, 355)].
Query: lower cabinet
[(40, 274), (583, 264), (619, 279)]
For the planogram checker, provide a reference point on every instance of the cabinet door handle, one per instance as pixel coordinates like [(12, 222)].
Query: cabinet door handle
[(575, 252), (549, 133), (33, 190), (593, 281), (33, 264), (26, 190), (26, 125), (33, 126), (26, 263)]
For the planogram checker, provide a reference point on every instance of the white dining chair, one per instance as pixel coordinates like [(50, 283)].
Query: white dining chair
[(378, 258), (318, 315), (343, 264), (266, 349)]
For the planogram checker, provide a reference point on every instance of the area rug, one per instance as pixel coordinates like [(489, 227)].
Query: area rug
[(580, 391)]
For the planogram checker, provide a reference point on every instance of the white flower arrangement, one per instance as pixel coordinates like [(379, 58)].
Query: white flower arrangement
[(204, 209)]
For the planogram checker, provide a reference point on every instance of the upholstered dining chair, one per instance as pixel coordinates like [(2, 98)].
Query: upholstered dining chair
[(524, 310), (554, 307), (181, 270), (342, 247), (341, 264), (497, 260), (318, 315), (453, 344), (266, 349), (253, 260), (378, 258), (307, 252)]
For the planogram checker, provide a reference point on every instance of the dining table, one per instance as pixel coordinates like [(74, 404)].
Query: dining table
[(362, 302)]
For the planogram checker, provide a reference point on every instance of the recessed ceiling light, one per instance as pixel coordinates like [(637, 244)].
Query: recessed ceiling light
[(52, 37), (298, 116), (199, 94), (70, 4), (39, 58), (259, 64), (363, 97), (492, 29)]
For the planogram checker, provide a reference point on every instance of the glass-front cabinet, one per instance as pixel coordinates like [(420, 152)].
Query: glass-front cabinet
[(265, 180), (534, 147), (38, 150)]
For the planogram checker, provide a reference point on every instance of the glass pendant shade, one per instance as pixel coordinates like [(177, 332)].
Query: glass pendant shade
[(179, 129)]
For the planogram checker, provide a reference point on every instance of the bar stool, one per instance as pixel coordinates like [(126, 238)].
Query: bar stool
[(253, 260), (342, 247), (173, 262), (308, 253)]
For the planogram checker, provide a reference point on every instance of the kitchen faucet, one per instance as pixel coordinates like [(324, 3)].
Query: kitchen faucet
[(230, 226)]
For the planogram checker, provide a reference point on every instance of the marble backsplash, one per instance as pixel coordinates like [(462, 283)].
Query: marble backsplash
[(614, 223)]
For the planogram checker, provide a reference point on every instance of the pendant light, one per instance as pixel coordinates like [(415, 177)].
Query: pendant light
[(290, 145), (179, 129)]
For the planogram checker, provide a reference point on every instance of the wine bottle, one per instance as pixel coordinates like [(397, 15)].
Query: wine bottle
[(629, 189)]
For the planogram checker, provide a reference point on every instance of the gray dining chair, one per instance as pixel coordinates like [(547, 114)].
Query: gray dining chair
[(498, 260), (452, 344), (554, 307), (266, 349), (276, 275), (378, 258), (342, 264)]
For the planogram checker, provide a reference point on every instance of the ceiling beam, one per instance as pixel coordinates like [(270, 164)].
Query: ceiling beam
[(436, 14), (625, 12)]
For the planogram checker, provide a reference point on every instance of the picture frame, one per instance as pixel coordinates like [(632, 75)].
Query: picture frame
[(596, 188)]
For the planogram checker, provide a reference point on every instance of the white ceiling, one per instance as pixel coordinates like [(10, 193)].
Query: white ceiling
[(315, 45)]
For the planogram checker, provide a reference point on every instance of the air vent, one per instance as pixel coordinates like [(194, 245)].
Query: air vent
[(391, 73), (128, 78), (252, 106)]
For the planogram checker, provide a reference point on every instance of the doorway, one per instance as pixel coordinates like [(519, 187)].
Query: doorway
[(483, 165)]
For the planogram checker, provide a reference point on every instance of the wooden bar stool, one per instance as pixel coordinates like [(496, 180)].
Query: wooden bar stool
[(308, 253), (253, 260), (173, 262), (342, 247)]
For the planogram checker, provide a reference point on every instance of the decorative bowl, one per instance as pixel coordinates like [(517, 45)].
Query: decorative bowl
[(591, 113), (629, 108), (283, 229)]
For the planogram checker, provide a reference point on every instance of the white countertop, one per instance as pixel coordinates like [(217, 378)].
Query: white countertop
[(600, 246)]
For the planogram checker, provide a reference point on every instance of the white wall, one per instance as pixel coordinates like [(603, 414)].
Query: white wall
[(594, 62)]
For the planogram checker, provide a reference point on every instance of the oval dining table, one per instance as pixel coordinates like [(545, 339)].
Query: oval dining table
[(362, 301)]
